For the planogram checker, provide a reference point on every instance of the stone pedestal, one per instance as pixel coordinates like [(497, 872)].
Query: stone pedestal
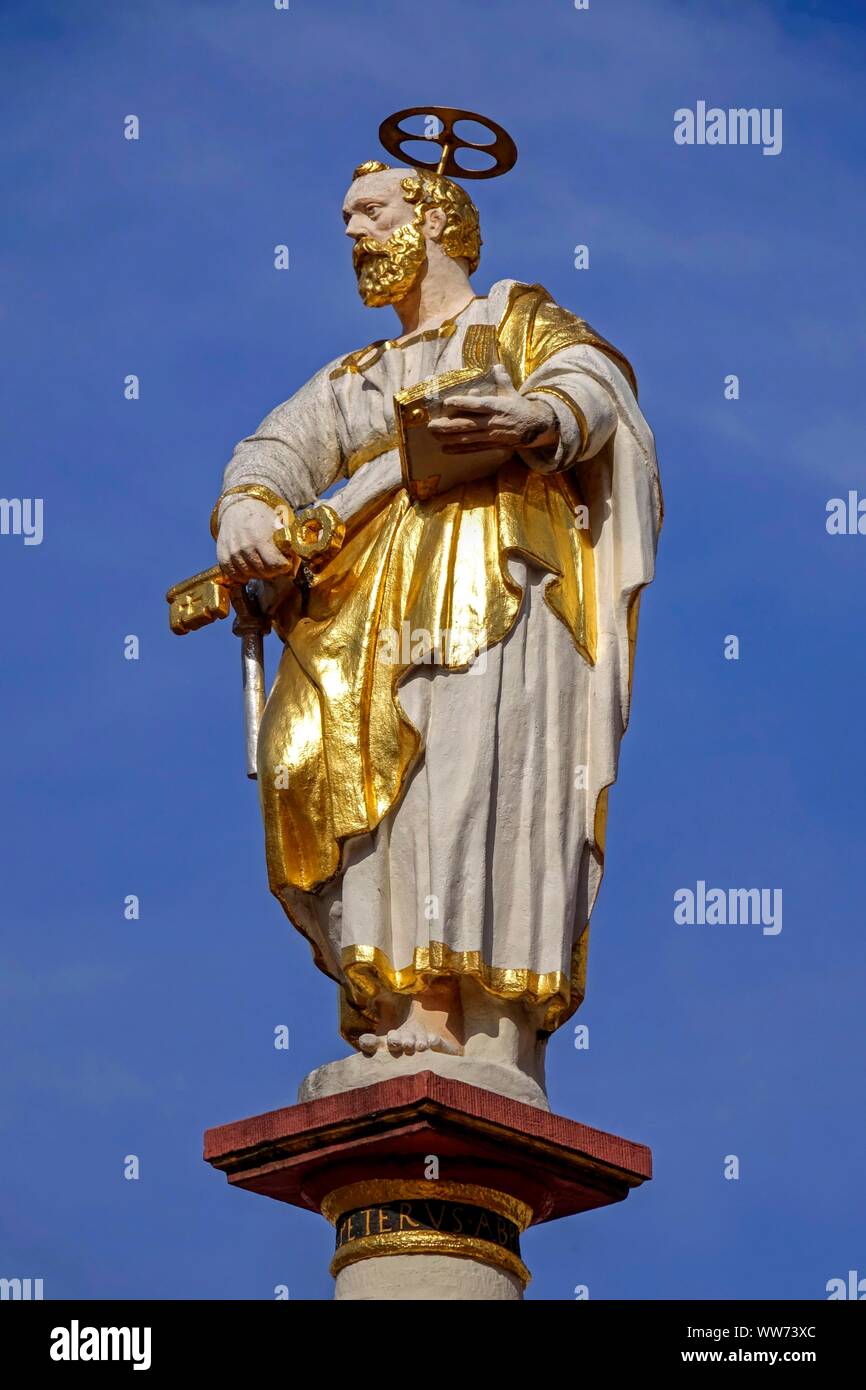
[(428, 1181)]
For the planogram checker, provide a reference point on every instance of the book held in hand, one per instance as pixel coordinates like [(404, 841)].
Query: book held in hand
[(427, 469)]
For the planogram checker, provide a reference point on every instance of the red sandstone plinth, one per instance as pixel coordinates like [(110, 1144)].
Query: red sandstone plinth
[(553, 1165)]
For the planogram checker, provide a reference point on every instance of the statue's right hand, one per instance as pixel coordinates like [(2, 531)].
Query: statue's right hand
[(245, 548)]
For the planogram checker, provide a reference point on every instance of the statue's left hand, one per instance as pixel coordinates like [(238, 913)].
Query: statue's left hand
[(507, 420)]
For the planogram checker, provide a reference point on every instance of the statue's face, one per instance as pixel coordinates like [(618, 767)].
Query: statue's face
[(390, 250)]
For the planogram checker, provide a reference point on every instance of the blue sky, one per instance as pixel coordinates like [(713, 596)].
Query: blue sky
[(155, 257)]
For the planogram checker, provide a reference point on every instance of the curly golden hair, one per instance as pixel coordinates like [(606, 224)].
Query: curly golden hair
[(461, 237)]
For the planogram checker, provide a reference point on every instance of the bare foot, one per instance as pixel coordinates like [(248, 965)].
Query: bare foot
[(405, 1041), (427, 1027)]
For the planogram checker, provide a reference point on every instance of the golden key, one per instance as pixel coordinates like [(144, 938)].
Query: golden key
[(312, 537)]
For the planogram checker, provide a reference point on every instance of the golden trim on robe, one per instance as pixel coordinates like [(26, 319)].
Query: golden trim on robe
[(373, 449)]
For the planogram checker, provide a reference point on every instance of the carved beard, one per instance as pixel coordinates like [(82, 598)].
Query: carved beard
[(387, 270)]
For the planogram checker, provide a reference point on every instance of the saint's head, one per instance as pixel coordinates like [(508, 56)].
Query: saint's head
[(400, 222)]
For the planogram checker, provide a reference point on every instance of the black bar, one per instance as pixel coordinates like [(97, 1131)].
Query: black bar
[(250, 1339)]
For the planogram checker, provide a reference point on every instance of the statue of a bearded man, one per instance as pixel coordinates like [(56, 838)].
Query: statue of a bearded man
[(434, 805)]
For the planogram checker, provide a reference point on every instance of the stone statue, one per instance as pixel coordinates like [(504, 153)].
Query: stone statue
[(436, 751)]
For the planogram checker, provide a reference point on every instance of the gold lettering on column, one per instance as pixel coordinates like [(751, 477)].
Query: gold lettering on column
[(405, 1215), (431, 1218)]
